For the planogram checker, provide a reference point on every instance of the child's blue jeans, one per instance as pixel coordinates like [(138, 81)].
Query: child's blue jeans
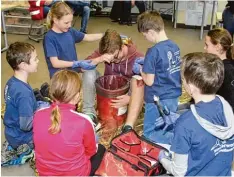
[(46, 9), (151, 115)]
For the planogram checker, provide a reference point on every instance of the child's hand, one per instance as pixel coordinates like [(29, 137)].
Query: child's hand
[(170, 119), (164, 155), (87, 65), (107, 57), (83, 64), (140, 60), (137, 68), (120, 101)]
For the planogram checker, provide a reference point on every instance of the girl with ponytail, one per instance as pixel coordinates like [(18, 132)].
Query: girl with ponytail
[(60, 41), (65, 139), (219, 41)]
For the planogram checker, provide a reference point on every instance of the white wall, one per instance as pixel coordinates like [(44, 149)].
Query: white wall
[(220, 8)]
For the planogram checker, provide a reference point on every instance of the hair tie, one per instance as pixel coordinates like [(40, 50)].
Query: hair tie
[(55, 104), (232, 44)]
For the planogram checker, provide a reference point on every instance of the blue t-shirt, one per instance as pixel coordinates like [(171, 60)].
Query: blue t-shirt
[(20, 102), (61, 45), (163, 60), (207, 155)]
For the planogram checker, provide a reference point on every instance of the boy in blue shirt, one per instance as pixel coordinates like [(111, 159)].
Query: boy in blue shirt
[(20, 103), (161, 74), (203, 141)]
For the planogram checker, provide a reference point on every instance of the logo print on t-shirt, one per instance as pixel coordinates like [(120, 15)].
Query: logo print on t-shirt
[(169, 56), (223, 146), (7, 96), (174, 61)]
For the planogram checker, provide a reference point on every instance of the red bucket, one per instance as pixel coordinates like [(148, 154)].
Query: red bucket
[(108, 88)]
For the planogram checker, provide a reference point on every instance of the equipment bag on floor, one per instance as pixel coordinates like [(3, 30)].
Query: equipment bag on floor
[(131, 155)]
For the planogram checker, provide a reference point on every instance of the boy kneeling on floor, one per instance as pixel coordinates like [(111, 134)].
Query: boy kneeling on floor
[(20, 105), (203, 142)]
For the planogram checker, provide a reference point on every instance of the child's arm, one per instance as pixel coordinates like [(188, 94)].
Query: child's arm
[(103, 58), (149, 67), (84, 64), (97, 58), (89, 139), (177, 166), (92, 37), (181, 145), (56, 63), (52, 53), (147, 78), (26, 113)]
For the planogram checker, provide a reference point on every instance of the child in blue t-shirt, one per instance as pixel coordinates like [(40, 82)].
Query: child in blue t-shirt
[(59, 42), (20, 104), (60, 49), (203, 142), (161, 74)]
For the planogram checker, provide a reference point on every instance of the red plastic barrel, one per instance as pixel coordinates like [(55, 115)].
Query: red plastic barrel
[(108, 88)]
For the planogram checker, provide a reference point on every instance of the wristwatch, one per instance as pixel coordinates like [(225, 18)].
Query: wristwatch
[(126, 128)]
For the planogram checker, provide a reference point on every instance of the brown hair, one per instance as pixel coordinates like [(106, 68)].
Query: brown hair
[(58, 10), (150, 20), (64, 87), (110, 42), (19, 52), (203, 70), (224, 38)]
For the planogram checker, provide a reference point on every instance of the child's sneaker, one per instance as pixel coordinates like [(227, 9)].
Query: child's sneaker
[(22, 159), (24, 154), (7, 153)]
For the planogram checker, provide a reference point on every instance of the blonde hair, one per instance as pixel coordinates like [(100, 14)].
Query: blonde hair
[(224, 38), (64, 87), (58, 10)]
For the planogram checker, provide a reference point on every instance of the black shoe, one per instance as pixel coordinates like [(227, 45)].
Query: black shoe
[(123, 23), (129, 23), (45, 90), (133, 22), (114, 21)]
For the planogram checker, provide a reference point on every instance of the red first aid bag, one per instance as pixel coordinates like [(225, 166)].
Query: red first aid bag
[(131, 155)]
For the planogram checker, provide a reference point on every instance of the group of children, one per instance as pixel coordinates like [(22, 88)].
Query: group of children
[(64, 140)]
